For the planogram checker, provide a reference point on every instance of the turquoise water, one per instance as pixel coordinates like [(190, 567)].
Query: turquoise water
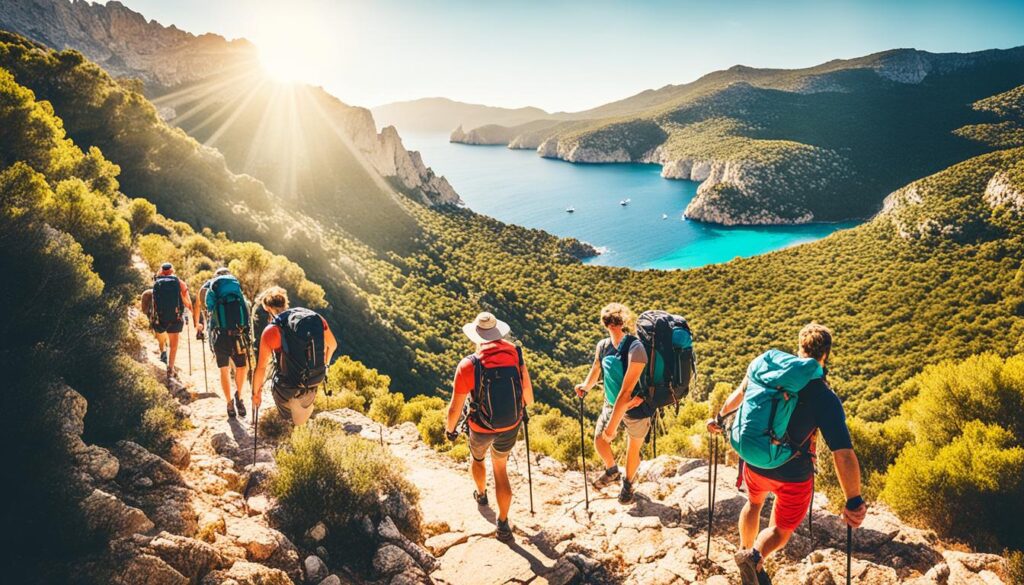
[(517, 186)]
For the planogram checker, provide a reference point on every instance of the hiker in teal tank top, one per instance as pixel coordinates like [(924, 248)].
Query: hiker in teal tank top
[(619, 361)]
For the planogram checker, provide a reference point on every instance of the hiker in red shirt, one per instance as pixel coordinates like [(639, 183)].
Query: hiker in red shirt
[(497, 383)]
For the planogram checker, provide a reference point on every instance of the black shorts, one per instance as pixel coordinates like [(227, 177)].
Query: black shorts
[(225, 349), (172, 327)]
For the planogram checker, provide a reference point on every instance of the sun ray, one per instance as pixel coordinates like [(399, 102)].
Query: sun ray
[(208, 86), (239, 110)]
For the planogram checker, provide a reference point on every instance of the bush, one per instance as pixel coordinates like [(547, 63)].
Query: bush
[(418, 405), (431, 427), (326, 475), (972, 488), (343, 399), (877, 445), (272, 426), (387, 408)]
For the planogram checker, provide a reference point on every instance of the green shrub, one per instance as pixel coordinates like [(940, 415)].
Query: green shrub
[(272, 426), (326, 475), (877, 446), (418, 405), (1014, 566), (972, 488), (387, 408), (431, 427), (342, 399)]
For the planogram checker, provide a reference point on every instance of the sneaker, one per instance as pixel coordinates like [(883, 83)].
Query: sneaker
[(481, 499), (746, 561), (239, 405), (626, 495), (504, 531), (231, 409), (763, 578), (610, 476), (163, 356)]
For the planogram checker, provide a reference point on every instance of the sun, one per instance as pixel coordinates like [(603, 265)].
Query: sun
[(292, 48)]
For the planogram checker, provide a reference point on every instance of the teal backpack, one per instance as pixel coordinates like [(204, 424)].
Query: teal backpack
[(228, 310), (759, 432)]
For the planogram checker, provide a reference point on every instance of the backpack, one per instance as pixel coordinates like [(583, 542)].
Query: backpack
[(759, 432), (167, 304), (496, 401), (671, 365), (301, 364), (228, 311)]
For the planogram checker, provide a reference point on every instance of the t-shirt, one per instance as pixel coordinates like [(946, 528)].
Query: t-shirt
[(613, 380), (496, 354), (817, 409)]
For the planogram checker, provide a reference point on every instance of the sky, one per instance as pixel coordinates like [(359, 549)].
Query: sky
[(570, 56)]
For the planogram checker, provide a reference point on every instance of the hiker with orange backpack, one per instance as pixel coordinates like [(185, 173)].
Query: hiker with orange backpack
[(170, 301), (619, 362), (497, 384), (781, 405)]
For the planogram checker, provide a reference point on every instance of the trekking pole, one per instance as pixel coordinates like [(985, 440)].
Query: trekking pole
[(529, 475), (849, 549), (206, 383), (188, 343), (712, 480), (583, 459), (252, 474)]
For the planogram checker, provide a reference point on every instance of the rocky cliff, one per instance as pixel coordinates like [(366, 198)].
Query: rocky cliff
[(124, 43)]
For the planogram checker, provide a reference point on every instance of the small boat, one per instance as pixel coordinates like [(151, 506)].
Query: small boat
[(570, 209), (624, 202), (664, 216)]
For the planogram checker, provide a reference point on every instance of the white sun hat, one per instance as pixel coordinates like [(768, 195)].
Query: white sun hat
[(486, 327)]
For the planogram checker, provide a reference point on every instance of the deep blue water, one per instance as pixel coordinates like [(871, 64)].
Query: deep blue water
[(517, 186)]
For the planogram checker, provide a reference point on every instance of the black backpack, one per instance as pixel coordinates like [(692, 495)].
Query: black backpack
[(301, 365), (167, 304), (671, 365), (496, 401)]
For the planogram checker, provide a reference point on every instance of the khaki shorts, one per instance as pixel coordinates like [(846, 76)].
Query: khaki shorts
[(296, 409), (636, 428), (500, 444)]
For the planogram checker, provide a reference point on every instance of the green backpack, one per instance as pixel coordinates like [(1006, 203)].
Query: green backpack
[(759, 432)]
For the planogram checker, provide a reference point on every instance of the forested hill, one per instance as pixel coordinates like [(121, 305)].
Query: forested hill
[(775, 146)]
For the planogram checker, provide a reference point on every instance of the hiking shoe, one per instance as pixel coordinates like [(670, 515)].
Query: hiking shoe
[(746, 561), (504, 531), (481, 499), (239, 405), (763, 578), (610, 476), (626, 495), (231, 409), (163, 356)]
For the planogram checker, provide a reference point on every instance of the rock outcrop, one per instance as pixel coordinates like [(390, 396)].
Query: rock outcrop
[(124, 43), (1002, 191)]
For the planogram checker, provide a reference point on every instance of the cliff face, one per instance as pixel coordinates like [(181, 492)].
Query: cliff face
[(124, 43)]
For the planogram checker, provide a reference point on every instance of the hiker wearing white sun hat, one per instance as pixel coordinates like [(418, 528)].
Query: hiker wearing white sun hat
[(495, 380)]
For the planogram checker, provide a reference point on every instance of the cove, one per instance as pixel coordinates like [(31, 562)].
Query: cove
[(517, 186)]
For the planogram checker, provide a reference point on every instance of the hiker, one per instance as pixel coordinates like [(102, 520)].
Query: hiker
[(261, 317), (301, 344), (149, 310), (230, 333), (170, 301), (790, 477), (619, 361), (495, 380)]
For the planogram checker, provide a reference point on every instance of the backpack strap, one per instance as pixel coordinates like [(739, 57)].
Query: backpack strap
[(478, 375)]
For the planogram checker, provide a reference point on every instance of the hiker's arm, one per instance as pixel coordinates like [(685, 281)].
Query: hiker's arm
[(454, 411), (527, 387), (186, 299), (200, 304), (260, 373), (625, 400), (330, 345), (592, 377), (731, 404), (848, 472)]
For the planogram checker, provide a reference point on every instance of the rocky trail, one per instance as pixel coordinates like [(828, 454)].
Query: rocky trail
[(185, 519)]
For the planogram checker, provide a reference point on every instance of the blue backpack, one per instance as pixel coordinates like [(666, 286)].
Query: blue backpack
[(671, 365), (774, 380), (229, 313)]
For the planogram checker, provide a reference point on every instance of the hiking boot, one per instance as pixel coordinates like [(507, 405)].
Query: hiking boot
[(163, 356), (746, 561), (231, 409), (481, 499), (763, 578), (239, 405), (504, 531), (610, 476), (626, 495)]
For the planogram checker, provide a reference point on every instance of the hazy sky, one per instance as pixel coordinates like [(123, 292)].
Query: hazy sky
[(571, 55)]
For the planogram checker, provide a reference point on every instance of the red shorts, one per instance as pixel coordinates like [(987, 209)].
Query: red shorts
[(792, 499)]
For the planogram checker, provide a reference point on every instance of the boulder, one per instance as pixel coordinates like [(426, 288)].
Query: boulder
[(244, 573), (315, 569), (317, 532), (190, 557), (391, 560), (105, 514), (388, 532), (259, 542)]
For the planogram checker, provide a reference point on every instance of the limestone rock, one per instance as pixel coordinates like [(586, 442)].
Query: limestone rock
[(388, 532), (317, 532), (391, 560), (190, 557), (315, 569), (105, 514), (259, 541), (331, 580), (244, 573)]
